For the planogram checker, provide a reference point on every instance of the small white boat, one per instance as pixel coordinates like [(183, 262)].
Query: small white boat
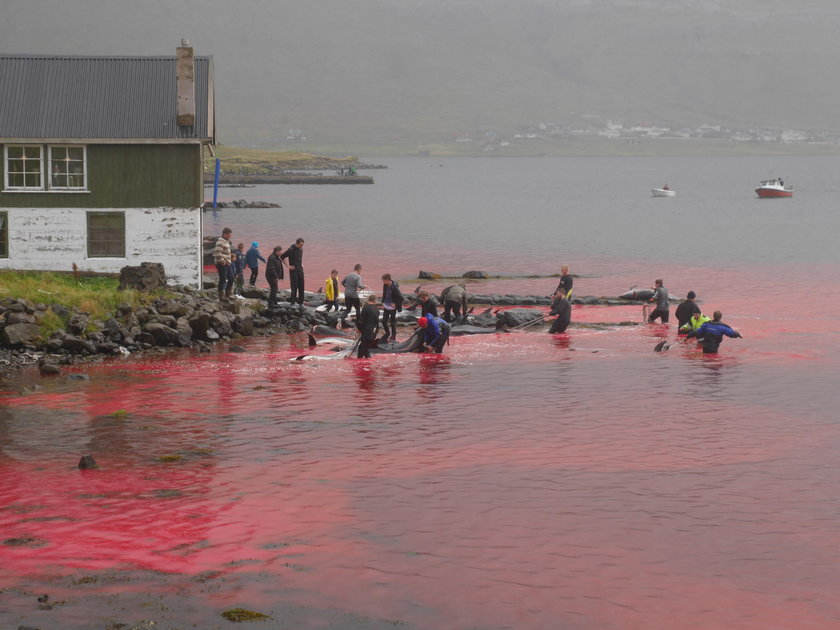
[(663, 192)]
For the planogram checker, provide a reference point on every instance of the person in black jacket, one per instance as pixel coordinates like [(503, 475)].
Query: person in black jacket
[(295, 256), (566, 282), (428, 303), (368, 325), (686, 309), (563, 309), (273, 274), (392, 301)]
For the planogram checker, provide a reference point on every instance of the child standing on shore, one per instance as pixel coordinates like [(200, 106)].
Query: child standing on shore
[(252, 259), (239, 267)]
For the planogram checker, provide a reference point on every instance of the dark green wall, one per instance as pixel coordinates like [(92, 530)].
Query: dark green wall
[(126, 176)]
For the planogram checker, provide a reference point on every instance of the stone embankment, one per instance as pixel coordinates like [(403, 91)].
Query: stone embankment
[(240, 203)]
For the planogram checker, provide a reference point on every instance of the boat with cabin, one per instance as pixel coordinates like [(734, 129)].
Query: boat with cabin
[(773, 188)]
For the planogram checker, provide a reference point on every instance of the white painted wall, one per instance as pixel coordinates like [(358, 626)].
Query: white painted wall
[(52, 239)]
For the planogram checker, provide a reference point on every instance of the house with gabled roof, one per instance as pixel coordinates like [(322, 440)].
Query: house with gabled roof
[(101, 161)]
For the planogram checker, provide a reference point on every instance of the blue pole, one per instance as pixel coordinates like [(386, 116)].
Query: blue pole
[(216, 182)]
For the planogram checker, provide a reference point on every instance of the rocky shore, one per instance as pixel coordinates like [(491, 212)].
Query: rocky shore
[(186, 318)]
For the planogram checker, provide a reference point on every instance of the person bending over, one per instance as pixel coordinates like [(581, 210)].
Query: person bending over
[(436, 333), (454, 299)]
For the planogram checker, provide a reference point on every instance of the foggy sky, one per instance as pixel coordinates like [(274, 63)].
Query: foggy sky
[(378, 71)]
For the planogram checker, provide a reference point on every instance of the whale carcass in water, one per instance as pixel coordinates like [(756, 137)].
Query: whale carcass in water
[(412, 344), (639, 295)]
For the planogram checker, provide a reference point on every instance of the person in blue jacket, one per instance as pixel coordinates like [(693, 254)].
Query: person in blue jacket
[(711, 333), (252, 258), (436, 332)]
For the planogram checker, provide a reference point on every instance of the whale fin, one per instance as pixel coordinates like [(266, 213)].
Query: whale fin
[(312, 341), (662, 345)]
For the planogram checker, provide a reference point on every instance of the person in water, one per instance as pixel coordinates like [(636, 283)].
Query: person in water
[(436, 333), (697, 320), (686, 309), (562, 308), (428, 303), (368, 324), (392, 301), (454, 299), (711, 333), (660, 296), (331, 291), (566, 282)]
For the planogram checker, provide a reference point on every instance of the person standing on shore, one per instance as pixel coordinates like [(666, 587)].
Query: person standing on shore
[(222, 256), (239, 268), (392, 301), (566, 282), (295, 256), (352, 284), (274, 273), (368, 324), (660, 296), (252, 258), (331, 291)]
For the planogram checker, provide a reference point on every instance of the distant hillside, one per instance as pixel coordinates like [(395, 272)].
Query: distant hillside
[(407, 72)]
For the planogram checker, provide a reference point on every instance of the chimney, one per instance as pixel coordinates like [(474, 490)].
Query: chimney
[(185, 71)]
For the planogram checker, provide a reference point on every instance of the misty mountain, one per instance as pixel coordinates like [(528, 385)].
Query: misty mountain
[(411, 71)]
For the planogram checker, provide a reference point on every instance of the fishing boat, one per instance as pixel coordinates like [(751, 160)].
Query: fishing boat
[(772, 188), (665, 191)]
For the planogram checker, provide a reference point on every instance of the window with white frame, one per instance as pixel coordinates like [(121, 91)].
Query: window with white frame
[(67, 168), (4, 234), (24, 167)]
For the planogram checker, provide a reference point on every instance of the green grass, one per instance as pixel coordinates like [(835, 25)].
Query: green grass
[(97, 296), (260, 162)]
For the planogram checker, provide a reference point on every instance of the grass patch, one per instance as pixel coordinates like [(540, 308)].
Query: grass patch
[(237, 160), (97, 296)]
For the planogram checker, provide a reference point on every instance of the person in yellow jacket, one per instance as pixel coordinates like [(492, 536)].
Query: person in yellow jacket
[(697, 320), (331, 290)]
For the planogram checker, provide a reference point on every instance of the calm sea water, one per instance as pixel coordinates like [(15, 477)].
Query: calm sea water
[(580, 481)]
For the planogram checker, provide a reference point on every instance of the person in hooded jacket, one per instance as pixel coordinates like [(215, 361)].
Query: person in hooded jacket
[(252, 258), (711, 333)]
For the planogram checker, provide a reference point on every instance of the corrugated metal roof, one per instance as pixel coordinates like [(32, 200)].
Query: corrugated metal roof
[(100, 97)]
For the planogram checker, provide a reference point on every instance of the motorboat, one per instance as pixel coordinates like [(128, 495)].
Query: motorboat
[(665, 191), (772, 188)]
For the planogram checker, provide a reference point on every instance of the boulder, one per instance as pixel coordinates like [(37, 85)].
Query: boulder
[(428, 275), (19, 334), (163, 334), (14, 317), (77, 323), (147, 277), (49, 369), (200, 323), (220, 323), (477, 275), (173, 307), (185, 331), (87, 463), (77, 345)]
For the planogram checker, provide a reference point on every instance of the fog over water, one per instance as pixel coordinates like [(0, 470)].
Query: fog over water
[(405, 71)]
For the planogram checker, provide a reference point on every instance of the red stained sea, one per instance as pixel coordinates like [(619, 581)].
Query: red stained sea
[(520, 481)]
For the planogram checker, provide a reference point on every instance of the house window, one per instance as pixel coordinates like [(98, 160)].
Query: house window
[(67, 168), (106, 234), (4, 234), (24, 167)]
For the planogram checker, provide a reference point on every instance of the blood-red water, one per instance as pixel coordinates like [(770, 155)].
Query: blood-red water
[(519, 481)]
